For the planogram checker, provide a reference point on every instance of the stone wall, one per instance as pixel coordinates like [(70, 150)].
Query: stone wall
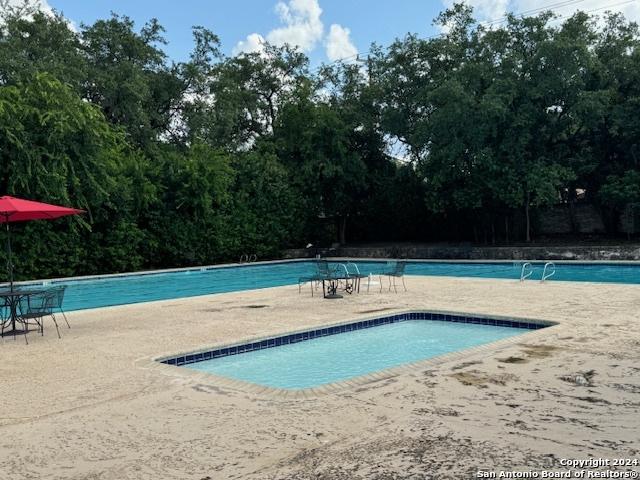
[(609, 252), (556, 220)]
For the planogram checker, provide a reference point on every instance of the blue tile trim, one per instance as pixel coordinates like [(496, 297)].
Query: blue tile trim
[(323, 332)]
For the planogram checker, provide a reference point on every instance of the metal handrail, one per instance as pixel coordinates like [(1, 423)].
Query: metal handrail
[(523, 274), (546, 275), (354, 266), (246, 258)]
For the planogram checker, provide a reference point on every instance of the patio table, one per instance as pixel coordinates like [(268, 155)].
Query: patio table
[(330, 288), (11, 299)]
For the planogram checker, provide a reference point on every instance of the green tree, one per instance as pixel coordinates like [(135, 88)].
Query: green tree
[(477, 112), (39, 43), (264, 213), (315, 143), (246, 95), (185, 223), (130, 78), (55, 147)]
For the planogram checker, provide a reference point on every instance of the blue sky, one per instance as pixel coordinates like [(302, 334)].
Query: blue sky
[(326, 30), (233, 21)]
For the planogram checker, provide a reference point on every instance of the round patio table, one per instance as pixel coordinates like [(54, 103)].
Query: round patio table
[(11, 299), (330, 289)]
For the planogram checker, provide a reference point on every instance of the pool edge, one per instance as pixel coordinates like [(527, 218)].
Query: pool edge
[(155, 362)]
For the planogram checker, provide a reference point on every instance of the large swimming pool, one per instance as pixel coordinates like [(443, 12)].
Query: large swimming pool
[(134, 288)]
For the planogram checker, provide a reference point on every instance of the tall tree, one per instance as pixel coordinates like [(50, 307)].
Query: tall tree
[(130, 77), (246, 95), (32, 42), (55, 147), (315, 142)]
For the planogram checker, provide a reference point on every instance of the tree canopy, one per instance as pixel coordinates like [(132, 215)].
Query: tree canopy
[(455, 137)]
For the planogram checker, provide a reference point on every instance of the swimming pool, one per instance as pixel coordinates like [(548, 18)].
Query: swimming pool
[(133, 288), (333, 354)]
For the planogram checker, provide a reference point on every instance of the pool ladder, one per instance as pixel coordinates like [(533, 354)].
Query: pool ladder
[(548, 272), (246, 258), (526, 272), (552, 271)]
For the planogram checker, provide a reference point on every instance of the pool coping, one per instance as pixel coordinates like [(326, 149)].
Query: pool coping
[(189, 375)]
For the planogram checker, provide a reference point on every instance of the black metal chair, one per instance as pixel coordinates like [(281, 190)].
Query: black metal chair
[(394, 270), (57, 294), (323, 272), (33, 308), (5, 314)]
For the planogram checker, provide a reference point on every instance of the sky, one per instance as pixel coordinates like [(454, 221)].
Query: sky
[(326, 30)]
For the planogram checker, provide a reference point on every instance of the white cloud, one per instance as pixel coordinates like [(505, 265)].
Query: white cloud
[(253, 43), (39, 4), (338, 43), (44, 6), (301, 27)]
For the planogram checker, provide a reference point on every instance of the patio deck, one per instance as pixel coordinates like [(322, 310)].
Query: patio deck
[(91, 406)]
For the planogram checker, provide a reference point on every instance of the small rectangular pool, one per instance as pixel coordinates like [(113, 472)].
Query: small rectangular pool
[(327, 355)]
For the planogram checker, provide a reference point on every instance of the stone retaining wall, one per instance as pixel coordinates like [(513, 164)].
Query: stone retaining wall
[(623, 252)]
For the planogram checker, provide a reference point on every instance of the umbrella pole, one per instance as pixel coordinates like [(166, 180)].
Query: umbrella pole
[(9, 262)]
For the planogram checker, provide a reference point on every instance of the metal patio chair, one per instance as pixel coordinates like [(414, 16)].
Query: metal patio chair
[(57, 294), (393, 271), (324, 271), (33, 308), (5, 314)]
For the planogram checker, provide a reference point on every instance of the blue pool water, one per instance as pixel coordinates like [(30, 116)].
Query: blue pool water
[(338, 357), (92, 293)]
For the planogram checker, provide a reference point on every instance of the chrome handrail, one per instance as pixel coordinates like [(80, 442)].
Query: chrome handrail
[(523, 274), (354, 266), (546, 275)]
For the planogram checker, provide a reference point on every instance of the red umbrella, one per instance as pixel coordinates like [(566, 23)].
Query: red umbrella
[(18, 210)]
